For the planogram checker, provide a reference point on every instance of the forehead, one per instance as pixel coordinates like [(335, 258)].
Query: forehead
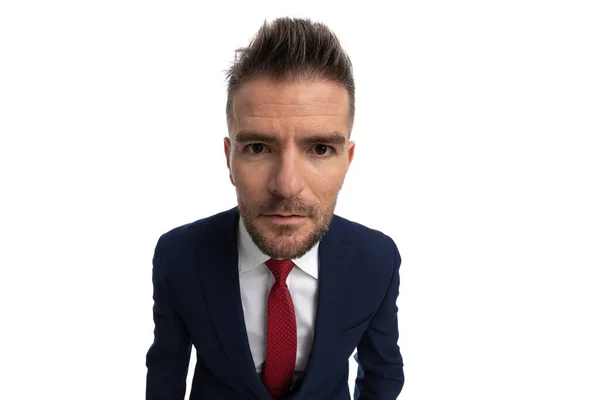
[(290, 108)]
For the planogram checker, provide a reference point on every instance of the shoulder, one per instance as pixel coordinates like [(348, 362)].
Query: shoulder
[(371, 257), (197, 234), (366, 240), (373, 254)]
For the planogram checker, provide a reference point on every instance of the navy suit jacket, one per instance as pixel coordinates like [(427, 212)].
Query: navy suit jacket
[(197, 301)]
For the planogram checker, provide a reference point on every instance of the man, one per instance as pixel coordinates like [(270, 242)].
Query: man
[(276, 293)]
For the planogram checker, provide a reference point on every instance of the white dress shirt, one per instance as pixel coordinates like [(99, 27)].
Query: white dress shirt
[(256, 281)]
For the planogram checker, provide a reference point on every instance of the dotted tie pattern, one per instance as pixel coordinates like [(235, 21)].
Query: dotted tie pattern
[(282, 339)]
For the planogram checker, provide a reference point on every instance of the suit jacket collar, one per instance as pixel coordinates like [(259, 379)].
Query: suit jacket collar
[(336, 254), (220, 281)]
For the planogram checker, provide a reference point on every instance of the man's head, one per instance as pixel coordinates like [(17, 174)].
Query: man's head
[(290, 109)]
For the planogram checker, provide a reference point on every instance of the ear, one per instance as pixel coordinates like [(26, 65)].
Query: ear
[(227, 149), (351, 146)]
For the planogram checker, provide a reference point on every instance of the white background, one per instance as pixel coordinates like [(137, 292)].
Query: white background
[(477, 150)]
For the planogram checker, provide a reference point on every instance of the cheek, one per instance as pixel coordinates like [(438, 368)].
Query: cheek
[(327, 186), (250, 181)]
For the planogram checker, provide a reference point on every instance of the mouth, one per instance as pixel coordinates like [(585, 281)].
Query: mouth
[(284, 215), (285, 218)]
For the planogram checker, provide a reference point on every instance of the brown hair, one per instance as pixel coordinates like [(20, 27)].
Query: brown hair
[(291, 49)]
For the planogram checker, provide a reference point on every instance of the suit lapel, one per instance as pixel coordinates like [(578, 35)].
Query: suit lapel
[(335, 256), (220, 278)]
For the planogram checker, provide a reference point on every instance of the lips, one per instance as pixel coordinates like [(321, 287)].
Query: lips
[(285, 218)]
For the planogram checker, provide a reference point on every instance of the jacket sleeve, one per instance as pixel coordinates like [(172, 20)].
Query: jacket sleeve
[(381, 374), (168, 358)]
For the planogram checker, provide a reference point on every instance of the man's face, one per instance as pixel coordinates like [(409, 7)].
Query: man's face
[(288, 153)]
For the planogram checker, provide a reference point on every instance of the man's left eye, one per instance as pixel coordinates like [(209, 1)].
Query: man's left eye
[(321, 149)]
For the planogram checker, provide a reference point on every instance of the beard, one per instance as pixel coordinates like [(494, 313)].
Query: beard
[(279, 241)]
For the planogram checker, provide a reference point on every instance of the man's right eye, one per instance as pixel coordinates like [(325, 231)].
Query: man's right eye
[(256, 148)]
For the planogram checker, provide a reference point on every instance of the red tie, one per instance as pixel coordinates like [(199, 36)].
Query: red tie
[(281, 332)]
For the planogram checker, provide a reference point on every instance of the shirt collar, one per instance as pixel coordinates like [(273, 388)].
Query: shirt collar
[(250, 256)]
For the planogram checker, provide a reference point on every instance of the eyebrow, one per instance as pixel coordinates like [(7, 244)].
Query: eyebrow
[(243, 137), (333, 138)]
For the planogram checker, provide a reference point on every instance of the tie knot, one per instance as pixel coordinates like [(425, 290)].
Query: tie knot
[(280, 269)]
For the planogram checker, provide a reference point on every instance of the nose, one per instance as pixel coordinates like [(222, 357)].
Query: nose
[(287, 179)]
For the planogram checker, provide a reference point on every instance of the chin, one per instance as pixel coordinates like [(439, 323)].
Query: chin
[(285, 241), (287, 245)]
